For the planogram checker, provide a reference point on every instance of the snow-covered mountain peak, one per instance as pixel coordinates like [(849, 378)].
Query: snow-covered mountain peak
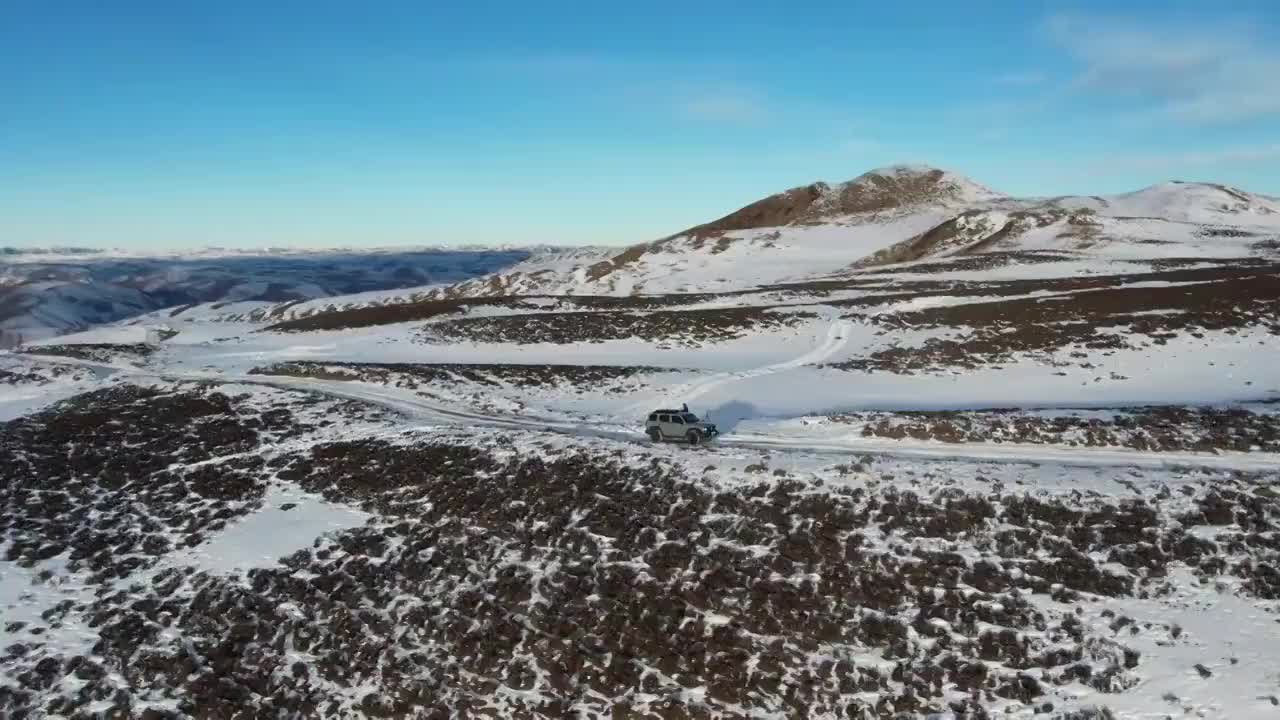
[(889, 188), (1197, 199), (906, 176), (1188, 202), (890, 215), (902, 186), (885, 216)]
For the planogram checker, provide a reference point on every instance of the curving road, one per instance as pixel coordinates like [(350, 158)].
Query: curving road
[(427, 411)]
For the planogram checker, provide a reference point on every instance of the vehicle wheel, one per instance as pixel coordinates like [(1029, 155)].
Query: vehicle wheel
[(654, 435), (694, 437)]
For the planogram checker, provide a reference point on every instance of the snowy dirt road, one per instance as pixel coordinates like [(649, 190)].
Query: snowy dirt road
[(837, 336), (423, 410)]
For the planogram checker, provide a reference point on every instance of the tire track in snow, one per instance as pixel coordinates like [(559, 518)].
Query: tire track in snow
[(1010, 453), (836, 338), (425, 409), (419, 408)]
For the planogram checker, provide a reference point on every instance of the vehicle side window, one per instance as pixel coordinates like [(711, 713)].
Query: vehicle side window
[(664, 418), (677, 419), (653, 417)]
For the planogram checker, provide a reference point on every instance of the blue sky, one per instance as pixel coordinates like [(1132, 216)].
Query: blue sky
[(161, 124)]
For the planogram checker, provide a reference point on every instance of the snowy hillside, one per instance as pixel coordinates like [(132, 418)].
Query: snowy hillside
[(976, 457), (883, 217), (1202, 203), (535, 261)]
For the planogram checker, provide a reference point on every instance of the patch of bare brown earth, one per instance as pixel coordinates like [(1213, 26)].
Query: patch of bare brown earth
[(494, 584), (869, 193), (1155, 429), (9, 377), (878, 191), (621, 260), (96, 352), (972, 233), (983, 261), (689, 327), (409, 375), (435, 308), (1107, 318), (39, 373), (94, 474), (783, 208)]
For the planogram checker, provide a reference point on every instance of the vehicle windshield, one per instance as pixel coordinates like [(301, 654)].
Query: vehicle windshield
[(689, 418)]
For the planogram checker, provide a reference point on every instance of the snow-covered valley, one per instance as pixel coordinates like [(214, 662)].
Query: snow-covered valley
[(980, 457)]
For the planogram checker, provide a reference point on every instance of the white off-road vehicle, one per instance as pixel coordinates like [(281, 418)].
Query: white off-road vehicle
[(678, 426)]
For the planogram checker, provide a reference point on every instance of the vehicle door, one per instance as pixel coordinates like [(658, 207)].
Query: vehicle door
[(674, 426), (662, 421)]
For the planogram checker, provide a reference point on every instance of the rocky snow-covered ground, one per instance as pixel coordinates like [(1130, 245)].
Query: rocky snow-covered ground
[(284, 553), (981, 457)]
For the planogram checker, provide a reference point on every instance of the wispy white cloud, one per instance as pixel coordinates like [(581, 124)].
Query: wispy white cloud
[(862, 145), (632, 83), (1199, 74), (994, 134), (563, 68), (1242, 155), (1021, 78), (723, 103), (1228, 106)]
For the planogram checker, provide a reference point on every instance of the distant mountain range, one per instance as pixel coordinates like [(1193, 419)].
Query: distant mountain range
[(976, 456), (888, 216), (11, 251), (50, 292)]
